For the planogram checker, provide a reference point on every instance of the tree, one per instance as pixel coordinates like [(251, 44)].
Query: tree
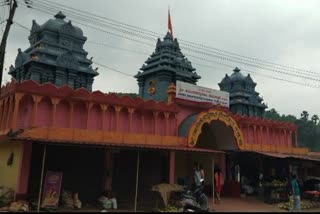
[(308, 130), (305, 116), (272, 114), (315, 118)]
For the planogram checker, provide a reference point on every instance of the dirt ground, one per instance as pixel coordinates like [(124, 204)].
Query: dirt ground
[(247, 204)]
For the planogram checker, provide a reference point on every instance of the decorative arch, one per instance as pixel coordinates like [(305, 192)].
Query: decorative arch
[(208, 117)]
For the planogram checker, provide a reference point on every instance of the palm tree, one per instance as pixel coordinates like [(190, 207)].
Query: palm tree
[(304, 116), (315, 119)]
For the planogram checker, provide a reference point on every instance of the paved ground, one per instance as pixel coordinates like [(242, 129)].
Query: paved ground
[(248, 204)]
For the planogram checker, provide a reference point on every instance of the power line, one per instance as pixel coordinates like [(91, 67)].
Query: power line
[(87, 18), (200, 58), (121, 72), (148, 32), (95, 28), (22, 26), (110, 46), (199, 52)]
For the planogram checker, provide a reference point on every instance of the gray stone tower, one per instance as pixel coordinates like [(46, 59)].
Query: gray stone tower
[(167, 64), (55, 55), (243, 97)]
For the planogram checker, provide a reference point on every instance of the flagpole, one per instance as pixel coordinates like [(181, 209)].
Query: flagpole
[(170, 24)]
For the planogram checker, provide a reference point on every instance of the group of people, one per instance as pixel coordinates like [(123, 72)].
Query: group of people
[(108, 201), (199, 178)]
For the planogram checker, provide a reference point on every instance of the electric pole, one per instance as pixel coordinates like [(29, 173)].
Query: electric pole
[(13, 6)]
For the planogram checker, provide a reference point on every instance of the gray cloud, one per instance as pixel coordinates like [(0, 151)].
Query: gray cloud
[(283, 32)]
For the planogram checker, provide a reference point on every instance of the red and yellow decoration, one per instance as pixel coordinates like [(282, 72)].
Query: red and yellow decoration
[(152, 87), (212, 115)]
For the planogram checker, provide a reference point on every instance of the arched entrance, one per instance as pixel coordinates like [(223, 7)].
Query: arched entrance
[(215, 130), (212, 130)]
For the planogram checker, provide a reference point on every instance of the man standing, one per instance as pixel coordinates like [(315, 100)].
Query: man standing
[(196, 176), (296, 194)]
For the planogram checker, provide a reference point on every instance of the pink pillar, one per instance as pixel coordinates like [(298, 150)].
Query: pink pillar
[(172, 167), (24, 170), (290, 139)]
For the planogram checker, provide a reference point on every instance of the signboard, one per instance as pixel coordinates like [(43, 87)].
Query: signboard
[(196, 93), (51, 190)]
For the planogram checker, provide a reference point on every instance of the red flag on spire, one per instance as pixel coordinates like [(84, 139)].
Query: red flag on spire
[(169, 24)]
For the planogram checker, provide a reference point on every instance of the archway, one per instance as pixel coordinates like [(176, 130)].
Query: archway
[(212, 130), (216, 135), (216, 125)]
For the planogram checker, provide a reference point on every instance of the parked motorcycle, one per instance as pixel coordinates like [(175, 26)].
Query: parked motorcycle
[(195, 201)]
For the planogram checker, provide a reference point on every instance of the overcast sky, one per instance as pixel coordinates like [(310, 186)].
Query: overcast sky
[(283, 32)]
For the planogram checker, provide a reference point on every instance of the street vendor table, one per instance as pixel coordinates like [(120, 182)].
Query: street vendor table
[(314, 195), (275, 194)]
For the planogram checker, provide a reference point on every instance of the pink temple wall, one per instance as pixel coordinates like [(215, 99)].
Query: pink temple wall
[(148, 122), (142, 121), (136, 122), (123, 125), (172, 130), (62, 114), (44, 115), (80, 116), (161, 124), (109, 119), (25, 111), (94, 120)]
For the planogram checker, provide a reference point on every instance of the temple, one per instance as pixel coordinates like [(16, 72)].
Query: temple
[(243, 97), (55, 55), (166, 65), (50, 120)]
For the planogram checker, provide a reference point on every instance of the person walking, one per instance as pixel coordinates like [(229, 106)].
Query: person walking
[(218, 184), (296, 194), (202, 174), (196, 176)]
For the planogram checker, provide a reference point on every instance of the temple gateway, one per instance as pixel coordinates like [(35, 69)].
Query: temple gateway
[(52, 121)]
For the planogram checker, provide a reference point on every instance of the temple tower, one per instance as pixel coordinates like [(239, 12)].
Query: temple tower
[(55, 55), (167, 64), (243, 97)]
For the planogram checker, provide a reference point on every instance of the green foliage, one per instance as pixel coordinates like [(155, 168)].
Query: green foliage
[(308, 130), (169, 209)]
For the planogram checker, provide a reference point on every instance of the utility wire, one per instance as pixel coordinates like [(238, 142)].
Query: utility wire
[(148, 32), (199, 52), (95, 28), (87, 18), (22, 26), (121, 72), (119, 48), (200, 58)]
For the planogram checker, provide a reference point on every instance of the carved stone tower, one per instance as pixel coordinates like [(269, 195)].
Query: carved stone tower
[(166, 65), (55, 55), (243, 97)]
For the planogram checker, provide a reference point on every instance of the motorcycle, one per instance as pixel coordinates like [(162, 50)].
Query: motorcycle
[(195, 201)]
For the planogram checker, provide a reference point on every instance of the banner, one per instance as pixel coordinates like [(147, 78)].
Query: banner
[(51, 190), (196, 93)]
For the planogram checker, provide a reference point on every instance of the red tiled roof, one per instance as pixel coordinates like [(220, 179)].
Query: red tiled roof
[(280, 155), (139, 146)]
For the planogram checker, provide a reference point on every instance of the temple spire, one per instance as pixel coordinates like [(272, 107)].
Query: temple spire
[(169, 24)]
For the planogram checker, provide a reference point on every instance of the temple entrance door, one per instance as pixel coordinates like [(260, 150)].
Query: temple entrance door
[(216, 136), (216, 130)]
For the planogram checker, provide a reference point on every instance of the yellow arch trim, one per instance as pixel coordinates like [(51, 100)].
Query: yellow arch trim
[(207, 117)]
